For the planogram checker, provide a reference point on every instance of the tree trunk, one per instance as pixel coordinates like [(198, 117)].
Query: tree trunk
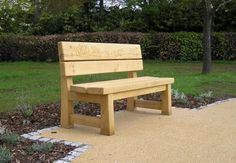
[(207, 18), (37, 11), (101, 6)]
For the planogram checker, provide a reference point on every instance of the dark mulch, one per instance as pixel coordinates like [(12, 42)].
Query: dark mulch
[(48, 115), (191, 102), (21, 152), (45, 115)]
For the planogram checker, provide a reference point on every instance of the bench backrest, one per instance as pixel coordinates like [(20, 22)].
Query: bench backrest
[(82, 58)]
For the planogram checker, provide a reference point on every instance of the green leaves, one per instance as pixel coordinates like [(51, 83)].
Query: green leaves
[(5, 155), (43, 147)]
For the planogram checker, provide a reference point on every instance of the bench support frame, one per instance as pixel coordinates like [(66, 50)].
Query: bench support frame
[(83, 58), (106, 122)]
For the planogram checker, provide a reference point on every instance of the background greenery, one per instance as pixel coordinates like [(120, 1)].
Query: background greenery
[(165, 29), (162, 46), (69, 16), (38, 83)]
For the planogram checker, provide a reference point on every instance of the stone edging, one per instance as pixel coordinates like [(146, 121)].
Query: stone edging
[(205, 106), (80, 148), (215, 103)]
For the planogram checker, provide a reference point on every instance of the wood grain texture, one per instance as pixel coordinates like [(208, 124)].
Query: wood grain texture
[(86, 120), (166, 101), (138, 92), (148, 104), (85, 97), (130, 100), (98, 67), (76, 51), (120, 85), (66, 103), (107, 116)]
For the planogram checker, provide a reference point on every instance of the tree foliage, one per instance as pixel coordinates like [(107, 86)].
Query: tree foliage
[(66, 16)]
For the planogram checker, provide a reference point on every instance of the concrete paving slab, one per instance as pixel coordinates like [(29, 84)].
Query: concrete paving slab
[(145, 136)]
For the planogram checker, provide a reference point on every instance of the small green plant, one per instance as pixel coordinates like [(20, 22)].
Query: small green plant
[(2, 129), (23, 106), (9, 137), (5, 155), (25, 109), (44, 147), (206, 94), (199, 98), (179, 96)]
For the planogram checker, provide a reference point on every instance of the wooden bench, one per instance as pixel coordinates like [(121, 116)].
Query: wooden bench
[(81, 58)]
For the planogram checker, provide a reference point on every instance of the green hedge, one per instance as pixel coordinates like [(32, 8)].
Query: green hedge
[(162, 46)]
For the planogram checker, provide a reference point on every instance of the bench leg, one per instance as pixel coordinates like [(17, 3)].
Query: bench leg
[(166, 101), (107, 116), (131, 103), (66, 112), (66, 105)]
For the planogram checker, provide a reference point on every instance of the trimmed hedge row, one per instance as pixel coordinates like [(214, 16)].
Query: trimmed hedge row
[(163, 46)]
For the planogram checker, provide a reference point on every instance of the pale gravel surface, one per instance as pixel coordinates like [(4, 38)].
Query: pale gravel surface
[(145, 136)]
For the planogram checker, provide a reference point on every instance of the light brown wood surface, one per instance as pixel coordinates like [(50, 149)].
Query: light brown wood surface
[(98, 67), (107, 116), (130, 100), (66, 103), (78, 58), (138, 92), (148, 104), (86, 120), (114, 86), (75, 51), (166, 101)]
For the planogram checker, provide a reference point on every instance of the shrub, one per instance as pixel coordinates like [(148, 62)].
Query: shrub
[(159, 46), (162, 46), (231, 46), (219, 46), (43, 147), (5, 155), (10, 138), (190, 46)]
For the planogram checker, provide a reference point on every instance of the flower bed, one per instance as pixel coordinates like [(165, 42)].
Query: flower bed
[(48, 115)]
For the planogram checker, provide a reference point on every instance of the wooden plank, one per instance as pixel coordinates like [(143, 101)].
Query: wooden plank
[(166, 101), (107, 83), (131, 100), (98, 67), (86, 120), (138, 92), (107, 116), (98, 87), (75, 51), (114, 86), (148, 104), (86, 97), (66, 103)]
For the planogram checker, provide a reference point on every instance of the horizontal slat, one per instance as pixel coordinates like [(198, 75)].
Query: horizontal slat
[(148, 104), (138, 92), (97, 67), (86, 97), (86, 120), (119, 85), (76, 51)]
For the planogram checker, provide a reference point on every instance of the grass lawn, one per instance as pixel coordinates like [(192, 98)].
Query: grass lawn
[(36, 82)]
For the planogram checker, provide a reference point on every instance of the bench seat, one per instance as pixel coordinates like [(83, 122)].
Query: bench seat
[(120, 85)]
